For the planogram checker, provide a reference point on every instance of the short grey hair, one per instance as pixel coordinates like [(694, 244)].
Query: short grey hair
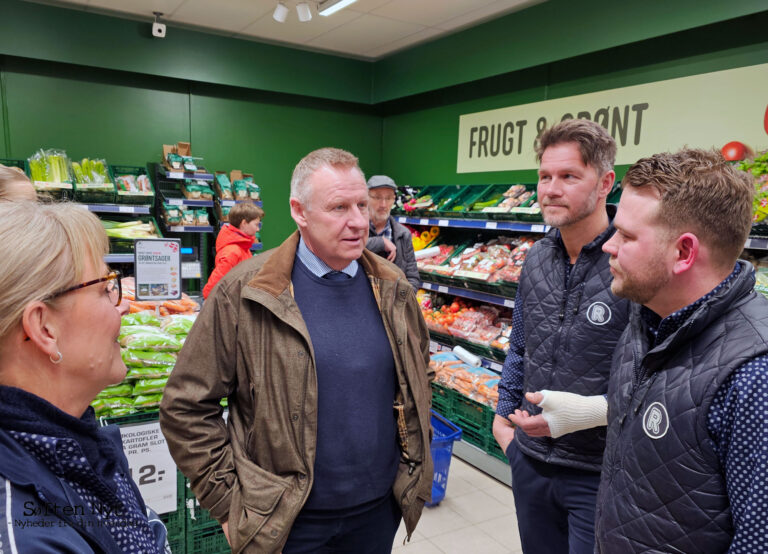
[(324, 157)]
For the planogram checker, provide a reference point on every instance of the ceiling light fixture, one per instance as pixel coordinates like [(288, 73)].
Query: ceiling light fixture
[(280, 13), (305, 14), (328, 7)]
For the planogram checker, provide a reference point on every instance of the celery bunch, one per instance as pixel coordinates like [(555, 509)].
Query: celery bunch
[(92, 172), (50, 166)]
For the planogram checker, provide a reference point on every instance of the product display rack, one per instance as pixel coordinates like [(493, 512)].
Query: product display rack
[(477, 455)]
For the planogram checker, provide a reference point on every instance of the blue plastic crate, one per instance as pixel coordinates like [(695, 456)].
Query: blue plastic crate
[(444, 435)]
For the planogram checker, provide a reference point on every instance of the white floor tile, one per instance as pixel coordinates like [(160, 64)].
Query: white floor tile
[(464, 541), (504, 531), (439, 520), (477, 507), (477, 515)]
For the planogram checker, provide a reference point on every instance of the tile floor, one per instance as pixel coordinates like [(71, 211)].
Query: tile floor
[(476, 515)]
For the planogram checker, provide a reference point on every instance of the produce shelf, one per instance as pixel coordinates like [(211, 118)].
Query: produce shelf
[(483, 461), (118, 208), (437, 346), (119, 258), (184, 201), (190, 229), (203, 176), (757, 243), (468, 293), (230, 203), (476, 224)]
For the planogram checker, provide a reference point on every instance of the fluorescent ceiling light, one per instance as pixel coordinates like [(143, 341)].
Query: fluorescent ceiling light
[(328, 7), (281, 12), (305, 14)]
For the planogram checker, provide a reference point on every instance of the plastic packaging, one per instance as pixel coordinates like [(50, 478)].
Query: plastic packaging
[(467, 357)]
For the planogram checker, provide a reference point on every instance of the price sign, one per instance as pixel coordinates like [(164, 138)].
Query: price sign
[(496, 367), (442, 223), (151, 465), (490, 224), (175, 174), (537, 228), (402, 219), (158, 269), (191, 270), (125, 209), (175, 201), (423, 221), (509, 303), (442, 289)]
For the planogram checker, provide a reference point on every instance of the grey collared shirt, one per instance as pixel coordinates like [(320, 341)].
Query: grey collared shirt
[(317, 266)]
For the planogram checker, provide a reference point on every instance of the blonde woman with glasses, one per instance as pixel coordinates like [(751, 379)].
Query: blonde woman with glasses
[(65, 485)]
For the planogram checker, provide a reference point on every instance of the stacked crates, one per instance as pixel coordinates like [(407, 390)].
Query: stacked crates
[(474, 419)]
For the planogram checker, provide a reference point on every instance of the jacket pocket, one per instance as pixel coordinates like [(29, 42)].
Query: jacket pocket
[(254, 499)]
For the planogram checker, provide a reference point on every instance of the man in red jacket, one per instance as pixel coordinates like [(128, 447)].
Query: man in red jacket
[(233, 245)]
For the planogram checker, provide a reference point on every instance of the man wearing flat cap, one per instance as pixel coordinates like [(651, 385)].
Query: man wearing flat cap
[(387, 237)]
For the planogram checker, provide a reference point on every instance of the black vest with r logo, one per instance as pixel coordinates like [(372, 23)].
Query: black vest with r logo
[(571, 330), (662, 487)]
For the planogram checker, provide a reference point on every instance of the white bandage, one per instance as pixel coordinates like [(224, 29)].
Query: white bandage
[(566, 412)]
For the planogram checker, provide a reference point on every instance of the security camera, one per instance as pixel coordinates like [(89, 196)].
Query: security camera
[(158, 30)]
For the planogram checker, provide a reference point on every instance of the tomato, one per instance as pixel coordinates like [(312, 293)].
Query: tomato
[(765, 121), (734, 151), (455, 307)]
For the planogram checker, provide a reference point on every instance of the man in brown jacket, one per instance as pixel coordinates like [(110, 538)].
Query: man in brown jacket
[(322, 351)]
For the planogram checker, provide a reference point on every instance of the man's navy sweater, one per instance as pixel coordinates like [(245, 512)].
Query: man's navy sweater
[(357, 453)]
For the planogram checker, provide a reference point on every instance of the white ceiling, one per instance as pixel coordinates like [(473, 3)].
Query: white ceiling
[(367, 29)]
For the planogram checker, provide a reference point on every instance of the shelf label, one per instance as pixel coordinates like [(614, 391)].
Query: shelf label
[(537, 228), (158, 264), (491, 224), (442, 289), (509, 303), (175, 174), (442, 223), (427, 286), (424, 221), (472, 274), (125, 209), (432, 346), (175, 201), (151, 465), (402, 219), (496, 366), (191, 270)]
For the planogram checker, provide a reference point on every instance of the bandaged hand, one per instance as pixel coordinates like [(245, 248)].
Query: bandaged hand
[(566, 412)]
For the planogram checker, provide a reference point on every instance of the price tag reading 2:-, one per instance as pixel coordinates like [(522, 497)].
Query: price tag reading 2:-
[(151, 465)]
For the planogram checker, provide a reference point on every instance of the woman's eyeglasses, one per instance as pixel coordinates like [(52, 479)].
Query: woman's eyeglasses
[(114, 288)]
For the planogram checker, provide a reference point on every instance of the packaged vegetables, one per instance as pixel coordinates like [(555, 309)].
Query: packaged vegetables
[(50, 170), (92, 175), (149, 352), (133, 229), (478, 384)]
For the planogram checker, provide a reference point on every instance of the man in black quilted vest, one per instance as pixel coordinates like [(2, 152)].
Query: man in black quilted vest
[(566, 325), (686, 464)]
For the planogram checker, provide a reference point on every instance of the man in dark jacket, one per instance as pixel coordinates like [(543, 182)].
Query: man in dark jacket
[(685, 466), (566, 324), (322, 351), (387, 237)]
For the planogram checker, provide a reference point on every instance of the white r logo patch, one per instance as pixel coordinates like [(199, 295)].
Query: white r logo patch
[(656, 421)]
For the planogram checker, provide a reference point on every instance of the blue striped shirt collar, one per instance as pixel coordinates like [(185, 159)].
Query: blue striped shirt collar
[(317, 266)]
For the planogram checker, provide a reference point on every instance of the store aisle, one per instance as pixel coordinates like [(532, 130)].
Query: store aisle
[(477, 515)]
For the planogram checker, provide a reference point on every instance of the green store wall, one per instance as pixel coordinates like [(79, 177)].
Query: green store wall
[(420, 136), (126, 118)]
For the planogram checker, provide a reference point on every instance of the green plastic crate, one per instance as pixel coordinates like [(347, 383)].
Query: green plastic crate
[(198, 518), (489, 192), (126, 197), (178, 545), (442, 400), (21, 164), (472, 415), (209, 541)]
